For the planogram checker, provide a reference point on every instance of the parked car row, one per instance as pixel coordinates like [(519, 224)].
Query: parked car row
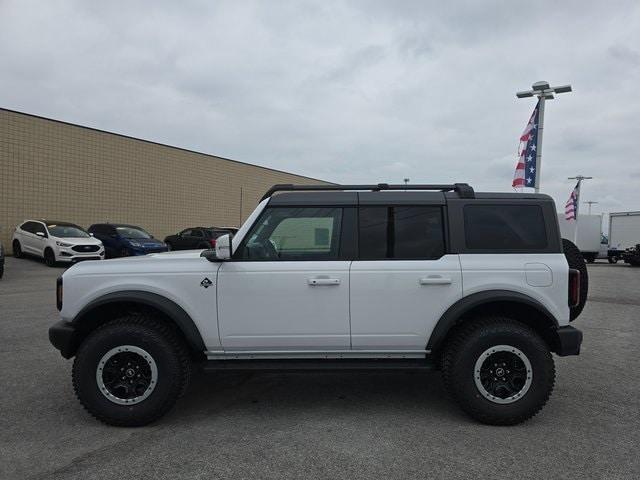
[(65, 242)]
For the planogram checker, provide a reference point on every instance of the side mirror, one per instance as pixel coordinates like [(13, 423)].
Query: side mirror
[(40, 234), (91, 234), (221, 252), (223, 247)]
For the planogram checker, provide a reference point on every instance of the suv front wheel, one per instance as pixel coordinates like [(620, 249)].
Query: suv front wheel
[(498, 370), (130, 372)]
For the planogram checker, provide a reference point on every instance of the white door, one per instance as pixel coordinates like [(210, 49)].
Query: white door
[(404, 282), (39, 239), (287, 288)]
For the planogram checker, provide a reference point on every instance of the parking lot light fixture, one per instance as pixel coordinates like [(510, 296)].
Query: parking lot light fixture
[(544, 92)]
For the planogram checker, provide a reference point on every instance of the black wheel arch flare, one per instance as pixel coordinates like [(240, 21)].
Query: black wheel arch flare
[(496, 300), (84, 322)]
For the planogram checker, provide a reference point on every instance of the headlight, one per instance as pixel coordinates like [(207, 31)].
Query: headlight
[(135, 244), (62, 244)]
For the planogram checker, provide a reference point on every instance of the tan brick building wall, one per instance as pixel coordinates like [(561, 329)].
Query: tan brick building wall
[(56, 170)]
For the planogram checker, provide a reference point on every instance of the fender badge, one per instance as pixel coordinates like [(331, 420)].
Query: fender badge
[(206, 283)]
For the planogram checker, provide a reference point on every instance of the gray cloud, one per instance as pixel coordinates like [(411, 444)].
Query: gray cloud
[(360, 91)]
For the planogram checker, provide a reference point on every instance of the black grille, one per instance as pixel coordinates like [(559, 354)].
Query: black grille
[(85, 248)]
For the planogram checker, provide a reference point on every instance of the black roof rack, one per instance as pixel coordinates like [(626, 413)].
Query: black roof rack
[(464, 190)]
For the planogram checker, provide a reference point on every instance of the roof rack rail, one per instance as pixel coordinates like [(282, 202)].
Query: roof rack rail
[(464, 190)]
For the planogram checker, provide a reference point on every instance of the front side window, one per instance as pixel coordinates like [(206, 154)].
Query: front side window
[(39, 228), (504, 227), (294, 233), (401, 233)]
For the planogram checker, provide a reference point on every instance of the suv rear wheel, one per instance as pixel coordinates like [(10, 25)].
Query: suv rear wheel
[(130, 372), (17, 249), (498, 370)]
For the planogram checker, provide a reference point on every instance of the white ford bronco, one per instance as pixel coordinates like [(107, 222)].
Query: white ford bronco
[(478, 285)]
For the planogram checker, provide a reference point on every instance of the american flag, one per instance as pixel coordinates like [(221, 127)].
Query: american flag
[(571, 207), (527, 168)]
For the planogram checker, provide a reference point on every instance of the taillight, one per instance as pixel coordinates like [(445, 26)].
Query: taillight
[(59, 293), (212, 241), (574, 287)]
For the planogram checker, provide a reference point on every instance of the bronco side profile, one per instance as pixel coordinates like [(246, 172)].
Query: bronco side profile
[(478, 285)]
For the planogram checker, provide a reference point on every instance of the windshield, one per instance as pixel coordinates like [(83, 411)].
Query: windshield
[(67, 231), (132, 232)]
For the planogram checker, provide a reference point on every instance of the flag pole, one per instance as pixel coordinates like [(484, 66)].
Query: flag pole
[(539, 145), (544, 92), (580, 178)]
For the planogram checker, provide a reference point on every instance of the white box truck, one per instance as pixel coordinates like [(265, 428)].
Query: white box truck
[(589, 239), (624, 236)]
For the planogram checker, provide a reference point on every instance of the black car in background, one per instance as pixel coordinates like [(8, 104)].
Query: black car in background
[(197, 237)]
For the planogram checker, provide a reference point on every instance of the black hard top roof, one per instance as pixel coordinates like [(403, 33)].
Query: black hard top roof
[(381, 194)]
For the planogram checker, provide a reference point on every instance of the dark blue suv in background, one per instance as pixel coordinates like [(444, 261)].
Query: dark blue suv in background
[(121, 240)]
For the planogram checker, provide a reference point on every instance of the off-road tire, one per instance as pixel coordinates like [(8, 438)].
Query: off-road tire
[(17, 249), (576, 261), (468, 343), (160, 341), (613, 259), (49, 257)]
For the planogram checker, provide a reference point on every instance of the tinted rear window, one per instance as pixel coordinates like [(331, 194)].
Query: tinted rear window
[(504, 227), (401, 233)]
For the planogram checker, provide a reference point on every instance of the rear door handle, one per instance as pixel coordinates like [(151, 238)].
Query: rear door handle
[(435, 280), (323, 281)]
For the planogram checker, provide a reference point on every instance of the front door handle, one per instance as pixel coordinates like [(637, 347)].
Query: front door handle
[(323, 281), (435, 280)]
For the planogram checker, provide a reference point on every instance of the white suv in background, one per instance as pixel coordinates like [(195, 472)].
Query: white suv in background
[(55, 242)]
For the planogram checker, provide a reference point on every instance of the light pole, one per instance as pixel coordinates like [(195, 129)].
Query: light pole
[(544, 92), (590, 202), (580, 178), (406, 182)]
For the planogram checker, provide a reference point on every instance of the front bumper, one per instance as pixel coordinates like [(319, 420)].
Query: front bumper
[(62, 335), (569, 340), (67, 254)]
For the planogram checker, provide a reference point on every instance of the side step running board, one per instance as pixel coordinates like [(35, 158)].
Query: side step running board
[(318, 364)]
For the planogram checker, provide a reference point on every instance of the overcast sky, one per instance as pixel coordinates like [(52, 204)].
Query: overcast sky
[(360, 91)]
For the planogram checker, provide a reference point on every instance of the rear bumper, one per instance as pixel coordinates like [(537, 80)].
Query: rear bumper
[(62, 335), (569, 340)]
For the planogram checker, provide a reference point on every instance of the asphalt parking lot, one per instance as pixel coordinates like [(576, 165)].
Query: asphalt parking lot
[(329, 425)]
